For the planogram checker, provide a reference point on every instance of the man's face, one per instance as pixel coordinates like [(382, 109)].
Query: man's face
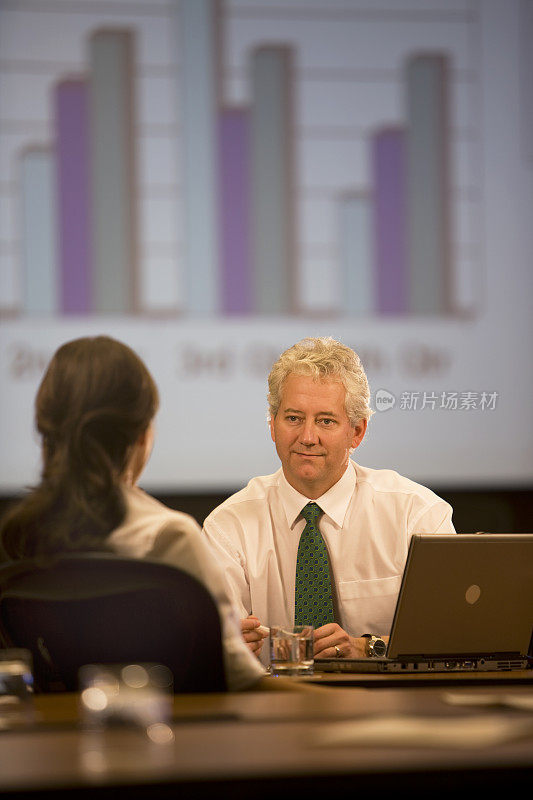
[(313, 435)]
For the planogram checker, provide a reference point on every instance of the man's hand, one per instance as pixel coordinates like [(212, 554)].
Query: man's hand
[(252, 637), (331, 641)]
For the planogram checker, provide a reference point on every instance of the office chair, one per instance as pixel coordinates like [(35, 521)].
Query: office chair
[(100, 608)]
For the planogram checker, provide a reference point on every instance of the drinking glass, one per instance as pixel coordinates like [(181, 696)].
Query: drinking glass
[(16, 688), (291, 650)]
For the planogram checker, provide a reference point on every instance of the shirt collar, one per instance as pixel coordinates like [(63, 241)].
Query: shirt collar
[(334, 502)]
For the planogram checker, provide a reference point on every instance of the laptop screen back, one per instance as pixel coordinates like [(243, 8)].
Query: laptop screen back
[(466, 595)]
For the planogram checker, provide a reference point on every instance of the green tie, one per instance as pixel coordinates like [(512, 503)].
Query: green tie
[(313, 600)]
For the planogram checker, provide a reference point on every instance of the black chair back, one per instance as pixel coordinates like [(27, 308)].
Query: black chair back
[(101, 608)]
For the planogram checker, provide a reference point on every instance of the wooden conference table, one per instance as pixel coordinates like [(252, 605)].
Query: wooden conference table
[(377, 736)]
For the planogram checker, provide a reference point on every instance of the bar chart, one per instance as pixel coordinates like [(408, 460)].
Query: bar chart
[(195, 157), (210, 182)]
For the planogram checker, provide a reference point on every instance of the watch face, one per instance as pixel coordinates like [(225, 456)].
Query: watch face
[(377, 648)]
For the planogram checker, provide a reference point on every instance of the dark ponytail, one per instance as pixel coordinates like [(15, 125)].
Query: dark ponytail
[(94, 402)]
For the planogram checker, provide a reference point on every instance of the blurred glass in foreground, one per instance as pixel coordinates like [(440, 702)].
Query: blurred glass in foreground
[(135, 694), (16, 688), (126, 715)]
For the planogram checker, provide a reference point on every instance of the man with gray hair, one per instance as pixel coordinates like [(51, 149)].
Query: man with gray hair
[(324, 540)]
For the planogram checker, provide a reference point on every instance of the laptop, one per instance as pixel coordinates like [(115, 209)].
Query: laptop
[(465, 604)]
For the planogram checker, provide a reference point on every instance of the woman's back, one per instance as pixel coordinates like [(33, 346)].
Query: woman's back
[(94, 411)]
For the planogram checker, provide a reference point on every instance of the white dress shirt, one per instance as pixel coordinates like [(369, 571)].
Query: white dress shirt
[(151, 530), (369, 517)]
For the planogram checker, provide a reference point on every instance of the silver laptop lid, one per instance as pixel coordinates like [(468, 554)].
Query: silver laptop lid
[(465, 594)]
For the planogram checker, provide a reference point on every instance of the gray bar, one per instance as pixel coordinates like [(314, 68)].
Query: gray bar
[(427, 184), (273, 218), (199, 28), (526, 73), (114, 204), (356, 255), (39, 219)]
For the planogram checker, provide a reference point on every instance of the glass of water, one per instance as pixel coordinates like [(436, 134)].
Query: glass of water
[(133, 694), (291, 650), (16, 688)]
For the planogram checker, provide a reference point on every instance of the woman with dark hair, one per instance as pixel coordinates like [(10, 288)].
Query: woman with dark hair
[(94, 412)]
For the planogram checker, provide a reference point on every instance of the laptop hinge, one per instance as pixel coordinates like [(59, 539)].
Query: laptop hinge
[(460, 656)]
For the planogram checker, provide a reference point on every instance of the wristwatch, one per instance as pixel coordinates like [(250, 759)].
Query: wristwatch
[(375, 646)]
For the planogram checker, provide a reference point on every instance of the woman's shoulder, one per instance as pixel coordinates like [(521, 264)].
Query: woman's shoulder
[(145, 520)]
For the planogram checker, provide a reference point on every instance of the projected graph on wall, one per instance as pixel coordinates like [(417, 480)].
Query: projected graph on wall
[(298, 178)]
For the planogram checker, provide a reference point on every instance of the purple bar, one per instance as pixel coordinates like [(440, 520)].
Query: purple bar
[(72, 125), (390, 220), (234, 213)]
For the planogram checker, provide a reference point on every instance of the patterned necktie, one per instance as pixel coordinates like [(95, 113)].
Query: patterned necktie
[(313, 599)]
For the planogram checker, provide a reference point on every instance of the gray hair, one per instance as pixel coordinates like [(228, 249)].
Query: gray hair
[(323, 359)]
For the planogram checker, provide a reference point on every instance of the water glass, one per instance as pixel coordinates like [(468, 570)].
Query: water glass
[(133, 694), (291, 650), (16, 688)]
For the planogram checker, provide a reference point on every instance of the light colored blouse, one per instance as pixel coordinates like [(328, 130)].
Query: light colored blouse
[(151, 530)]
